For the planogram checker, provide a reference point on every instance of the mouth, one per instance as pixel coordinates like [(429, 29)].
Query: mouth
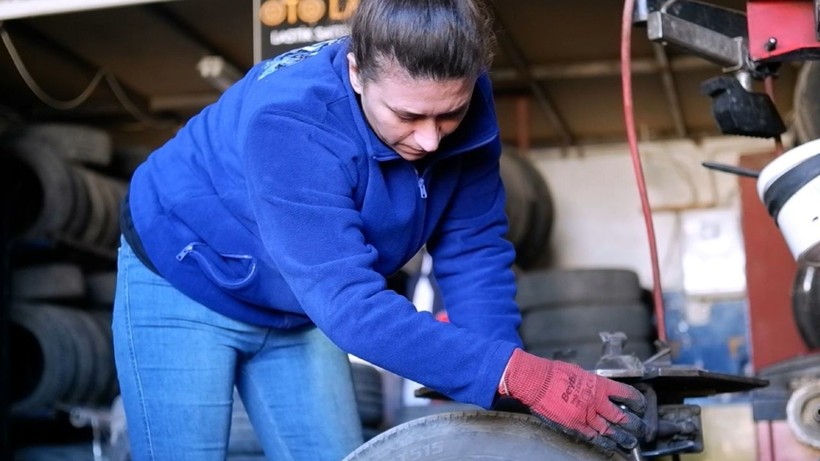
[(414, 152)]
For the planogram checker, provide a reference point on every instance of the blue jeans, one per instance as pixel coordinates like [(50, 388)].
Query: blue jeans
[(178, 363)]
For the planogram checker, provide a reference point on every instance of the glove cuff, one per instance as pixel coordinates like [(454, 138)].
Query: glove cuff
[(526, 377), (502, 385), (518, 356)]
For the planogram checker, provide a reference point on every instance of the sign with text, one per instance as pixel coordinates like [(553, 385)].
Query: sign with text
[(283, 25)]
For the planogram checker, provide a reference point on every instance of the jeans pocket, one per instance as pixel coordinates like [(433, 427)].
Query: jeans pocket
[(229, 271)]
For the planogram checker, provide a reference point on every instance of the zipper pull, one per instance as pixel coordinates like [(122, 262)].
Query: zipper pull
[(422, 188), (182, 254)]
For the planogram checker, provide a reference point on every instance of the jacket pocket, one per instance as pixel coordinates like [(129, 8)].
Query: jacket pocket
[(228, 271)]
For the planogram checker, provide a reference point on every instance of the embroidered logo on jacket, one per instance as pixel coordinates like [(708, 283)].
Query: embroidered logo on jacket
[(293, 56)]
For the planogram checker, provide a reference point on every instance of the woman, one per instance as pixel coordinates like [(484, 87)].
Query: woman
[(257, 242)]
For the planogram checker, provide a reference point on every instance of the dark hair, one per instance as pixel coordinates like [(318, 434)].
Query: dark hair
[(435, 39)]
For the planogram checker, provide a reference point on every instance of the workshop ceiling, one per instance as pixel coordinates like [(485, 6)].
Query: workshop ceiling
[(570, 49)]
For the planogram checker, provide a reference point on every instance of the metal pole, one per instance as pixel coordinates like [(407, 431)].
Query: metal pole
[(5, 449)]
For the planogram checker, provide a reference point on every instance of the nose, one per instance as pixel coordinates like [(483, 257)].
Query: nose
[(428, 135)]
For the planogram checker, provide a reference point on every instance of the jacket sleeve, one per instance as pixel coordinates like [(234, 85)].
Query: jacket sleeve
[(472, 259), (301, 188)]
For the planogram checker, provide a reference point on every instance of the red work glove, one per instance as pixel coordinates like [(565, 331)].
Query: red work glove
[(575, 401)]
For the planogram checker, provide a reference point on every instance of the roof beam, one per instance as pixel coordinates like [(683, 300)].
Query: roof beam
[(602, 68)]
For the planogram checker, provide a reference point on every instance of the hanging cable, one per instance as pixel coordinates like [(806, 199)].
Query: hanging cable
[(55, 103), (36, 89), (132, 108), (631, 132)]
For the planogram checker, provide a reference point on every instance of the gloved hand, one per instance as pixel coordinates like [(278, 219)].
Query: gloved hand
[(575, 401)]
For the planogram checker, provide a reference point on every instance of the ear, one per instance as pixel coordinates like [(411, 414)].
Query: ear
[(353, 72)]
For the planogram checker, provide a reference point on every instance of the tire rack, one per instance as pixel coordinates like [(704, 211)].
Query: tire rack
[(88, 148), (80, 252)]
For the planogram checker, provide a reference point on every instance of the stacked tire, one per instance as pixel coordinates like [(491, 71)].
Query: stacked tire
[(61, 357), (529, 209), (61, 207), (564, 312), (58, 180), (60, 338)]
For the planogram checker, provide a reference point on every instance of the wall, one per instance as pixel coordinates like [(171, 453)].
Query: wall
[(598, 218)]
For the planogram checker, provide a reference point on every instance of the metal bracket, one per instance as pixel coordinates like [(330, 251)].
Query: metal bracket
[(728, 52), (680, 430)]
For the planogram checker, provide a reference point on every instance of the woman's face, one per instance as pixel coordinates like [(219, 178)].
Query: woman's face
[(411, 115)]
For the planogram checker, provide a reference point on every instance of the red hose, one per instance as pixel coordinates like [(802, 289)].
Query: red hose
[(629, 118)]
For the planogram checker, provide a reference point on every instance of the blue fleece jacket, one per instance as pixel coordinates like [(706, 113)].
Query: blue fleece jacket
[(279, 206)]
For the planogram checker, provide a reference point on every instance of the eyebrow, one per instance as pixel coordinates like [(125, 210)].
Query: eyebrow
[(451, 113)]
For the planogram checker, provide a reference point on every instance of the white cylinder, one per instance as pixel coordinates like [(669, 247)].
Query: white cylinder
[(789, 186)]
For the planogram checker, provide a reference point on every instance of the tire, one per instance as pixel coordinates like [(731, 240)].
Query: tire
[(57, 281), (42, 357), (80, 330), (95, 225), (41, 184), (105, 194), (408, 413), (480, 435), (101, 358), (582, 322), (528, 207), (550, 287), (78, 143), (116, 193), (103, 320), (62, 356), (518, 199), (536, 242), (82, 207)]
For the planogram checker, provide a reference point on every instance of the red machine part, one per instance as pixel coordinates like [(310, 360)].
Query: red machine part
[(781, 30), (775, 442), (770, 270)]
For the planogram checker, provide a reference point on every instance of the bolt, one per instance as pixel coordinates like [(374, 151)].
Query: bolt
[(817, 414), (771, 44)]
